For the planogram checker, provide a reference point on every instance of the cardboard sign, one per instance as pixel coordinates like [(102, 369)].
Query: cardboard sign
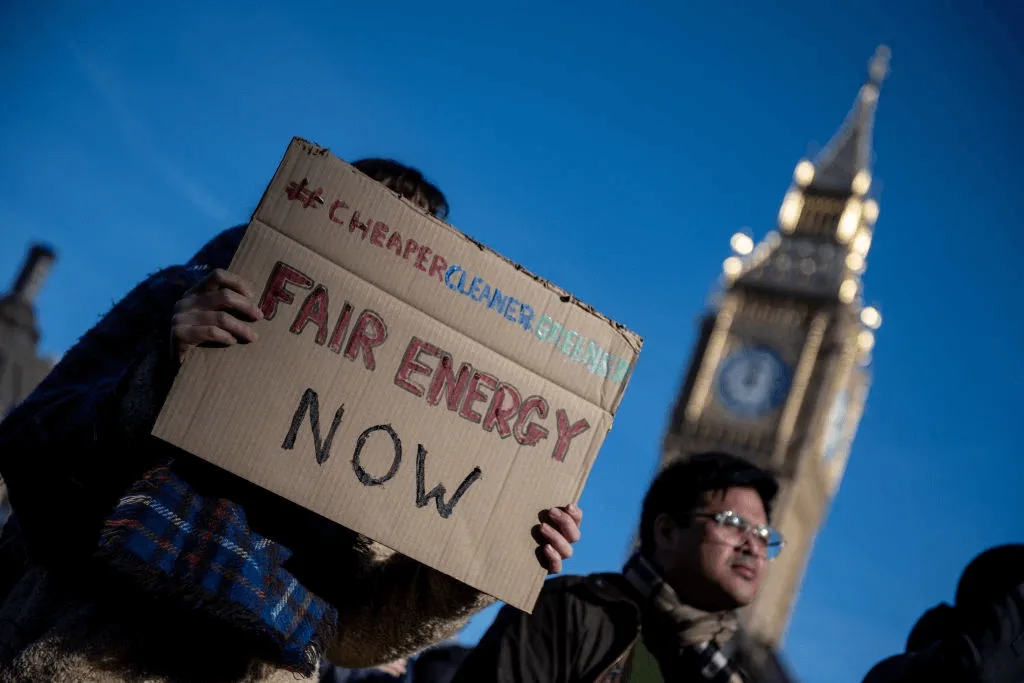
[(409, 383)]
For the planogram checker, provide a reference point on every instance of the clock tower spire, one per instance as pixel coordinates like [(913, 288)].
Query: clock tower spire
[(781, 368)]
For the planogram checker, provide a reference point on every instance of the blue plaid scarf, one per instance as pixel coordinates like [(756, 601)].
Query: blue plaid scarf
[(201, 551)]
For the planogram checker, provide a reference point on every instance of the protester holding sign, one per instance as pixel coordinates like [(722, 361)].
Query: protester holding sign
[(669, 616), (149, 563)]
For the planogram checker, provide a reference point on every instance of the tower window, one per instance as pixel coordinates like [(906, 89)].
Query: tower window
[(820, 217)]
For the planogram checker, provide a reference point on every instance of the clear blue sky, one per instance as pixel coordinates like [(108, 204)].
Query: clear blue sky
[(615, 151)]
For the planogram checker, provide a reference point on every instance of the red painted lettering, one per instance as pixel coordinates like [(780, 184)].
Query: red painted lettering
[(338, 204), (355, 224), (340, 328), (276, 288), (370, 331), (473, 395), (395, 243), (444, 380), (314, 310), (410, 247), (304, 195), (422, 259), (498, 413), (437, 267), (533, 431), (566, 433), (379, 231), (411, 364)]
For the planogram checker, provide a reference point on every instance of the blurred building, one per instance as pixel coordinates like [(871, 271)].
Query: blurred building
[(781, 368), (21, 366)]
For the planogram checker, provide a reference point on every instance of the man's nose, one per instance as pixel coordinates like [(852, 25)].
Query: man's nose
[(749, 547)]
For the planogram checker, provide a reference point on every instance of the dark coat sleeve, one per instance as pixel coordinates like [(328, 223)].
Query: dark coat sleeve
[(62, 449), (989, 650), (558, 643)]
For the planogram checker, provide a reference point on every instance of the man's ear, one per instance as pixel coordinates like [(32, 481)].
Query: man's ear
[(666, 530)]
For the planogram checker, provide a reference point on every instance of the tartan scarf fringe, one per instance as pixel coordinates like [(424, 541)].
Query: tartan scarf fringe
[(705, 636), (201, 553)]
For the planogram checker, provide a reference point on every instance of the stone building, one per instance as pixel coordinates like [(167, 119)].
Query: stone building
[(21, 366), (782, 363)]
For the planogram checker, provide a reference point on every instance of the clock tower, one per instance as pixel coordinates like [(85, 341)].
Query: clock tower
[(781, 368)]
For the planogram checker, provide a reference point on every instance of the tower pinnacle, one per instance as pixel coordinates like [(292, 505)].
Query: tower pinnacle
[(844, 165)]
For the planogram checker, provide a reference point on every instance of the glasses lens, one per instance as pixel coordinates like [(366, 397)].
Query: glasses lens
[(736, 527), (775, 543)]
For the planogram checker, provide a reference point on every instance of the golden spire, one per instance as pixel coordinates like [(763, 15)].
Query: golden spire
[(845, 163)]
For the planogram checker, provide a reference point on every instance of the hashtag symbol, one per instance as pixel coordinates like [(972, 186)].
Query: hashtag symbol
[(303, 194)]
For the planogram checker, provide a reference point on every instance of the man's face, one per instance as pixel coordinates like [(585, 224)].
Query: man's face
[(713, 566)]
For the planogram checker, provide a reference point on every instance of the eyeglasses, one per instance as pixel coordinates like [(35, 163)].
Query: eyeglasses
[(735, 528)]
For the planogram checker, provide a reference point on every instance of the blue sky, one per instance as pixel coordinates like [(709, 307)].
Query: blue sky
[(614, 151)]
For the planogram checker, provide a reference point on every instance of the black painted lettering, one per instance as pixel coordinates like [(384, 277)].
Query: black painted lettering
[(311, 402), (364, 477), (437, 493)]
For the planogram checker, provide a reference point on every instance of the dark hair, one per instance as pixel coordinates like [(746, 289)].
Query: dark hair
[(934, 625), (406, 181), (679, 489), (990, 574)]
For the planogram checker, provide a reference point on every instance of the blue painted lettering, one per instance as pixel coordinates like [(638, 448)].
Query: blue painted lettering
[(475, 289), (544, 327), (452, 270), (511, 312), (568, 342), (572, 344), (467, 290), (620, 372), (526, 316), (497, 301)]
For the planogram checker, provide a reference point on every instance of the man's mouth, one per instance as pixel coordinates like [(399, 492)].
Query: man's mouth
[(747, 572)]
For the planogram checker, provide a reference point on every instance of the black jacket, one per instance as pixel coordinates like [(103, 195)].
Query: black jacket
[(583, 630), (988, 649)]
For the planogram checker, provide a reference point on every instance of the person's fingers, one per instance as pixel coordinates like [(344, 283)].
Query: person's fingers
[(226, 300), (566, 524), (576, 512), (554, 561), (239, 329), (555, 539), (220, 278), (194, 335), (190, 328)]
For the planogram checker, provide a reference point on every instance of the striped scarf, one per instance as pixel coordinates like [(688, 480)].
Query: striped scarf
[(201, 551), (683, 638)]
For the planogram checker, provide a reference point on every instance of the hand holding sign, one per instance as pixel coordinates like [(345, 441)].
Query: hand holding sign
[(559, 528), (208, 313)]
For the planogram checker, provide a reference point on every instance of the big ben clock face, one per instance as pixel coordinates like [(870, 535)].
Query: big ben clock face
[(753, 381)]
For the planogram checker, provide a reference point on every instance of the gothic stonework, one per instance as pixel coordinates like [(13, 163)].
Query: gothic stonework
[(21, 367), (781, 368)]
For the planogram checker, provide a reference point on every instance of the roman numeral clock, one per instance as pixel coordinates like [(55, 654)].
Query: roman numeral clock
[(781, 367)]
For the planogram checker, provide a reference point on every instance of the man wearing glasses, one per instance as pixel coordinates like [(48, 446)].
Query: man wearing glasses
[(705, 544)]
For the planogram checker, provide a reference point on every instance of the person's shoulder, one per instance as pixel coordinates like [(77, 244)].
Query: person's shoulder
[(888, 670), (218, 251), (604, 588)]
